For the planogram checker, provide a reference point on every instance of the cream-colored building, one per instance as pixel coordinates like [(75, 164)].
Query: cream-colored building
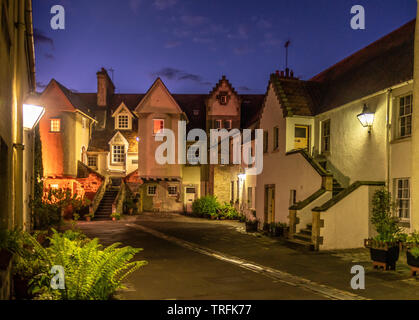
[(321, 165)]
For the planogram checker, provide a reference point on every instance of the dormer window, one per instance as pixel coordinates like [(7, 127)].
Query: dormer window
[(123, 121), (223, 99)]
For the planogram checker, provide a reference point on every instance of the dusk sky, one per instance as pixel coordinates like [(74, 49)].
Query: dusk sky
[(190, 44)]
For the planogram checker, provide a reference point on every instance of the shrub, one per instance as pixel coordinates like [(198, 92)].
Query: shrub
[(205, 207), (383, 219), (228, 211), (415, 252)]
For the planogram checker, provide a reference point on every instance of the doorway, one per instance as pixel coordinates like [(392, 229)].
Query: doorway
[(301, 137), (190, 196), (269, 204)]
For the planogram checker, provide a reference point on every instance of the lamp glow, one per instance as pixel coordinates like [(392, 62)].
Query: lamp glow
[(242, 176), (366, 117), (31, 115)]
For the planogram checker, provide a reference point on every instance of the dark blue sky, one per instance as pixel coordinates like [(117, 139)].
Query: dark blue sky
[(191, 43)]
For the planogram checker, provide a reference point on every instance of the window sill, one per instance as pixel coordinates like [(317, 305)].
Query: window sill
[(404, 224), (401, 139)]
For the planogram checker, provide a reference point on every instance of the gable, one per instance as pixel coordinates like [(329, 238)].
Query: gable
[(223, 100), (158, 100), (118, 138), (122, 109), (54, 99)]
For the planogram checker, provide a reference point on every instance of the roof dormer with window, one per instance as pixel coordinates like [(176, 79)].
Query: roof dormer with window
[(123, 118)]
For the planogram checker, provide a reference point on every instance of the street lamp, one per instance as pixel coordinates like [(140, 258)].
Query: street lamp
[(31, 115), (366, 118)]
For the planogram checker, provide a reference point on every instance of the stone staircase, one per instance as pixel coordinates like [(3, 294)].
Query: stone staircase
[(302, 240), (104, 209)]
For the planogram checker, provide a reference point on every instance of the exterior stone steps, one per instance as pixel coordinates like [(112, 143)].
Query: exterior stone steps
[(299, 244), (104, 209)]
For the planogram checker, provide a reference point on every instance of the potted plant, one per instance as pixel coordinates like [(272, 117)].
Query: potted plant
[(385, 247), (412, 253), (129, 206), (252, 225), (89, 216), (115, 216)]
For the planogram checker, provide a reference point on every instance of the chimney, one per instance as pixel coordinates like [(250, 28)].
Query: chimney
[(105, 88), (292, 74), (287, 72)]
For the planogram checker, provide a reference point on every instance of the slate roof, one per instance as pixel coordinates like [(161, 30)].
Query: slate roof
[(382, 64)]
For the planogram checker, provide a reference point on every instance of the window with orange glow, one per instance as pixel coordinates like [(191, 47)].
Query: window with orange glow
[(55, 125), (158, 124)]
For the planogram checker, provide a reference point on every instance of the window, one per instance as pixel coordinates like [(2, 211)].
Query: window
[(227, 124), (172, 190), (158, 124), (152, 190), (276, 138), (265, 141), (84, 123), (92, 161), (118, 154), (218, 124), (232, 191), (53, 186), (196, 112), (250, 197), (326, 136), (403, 198), (190, 190), (238, 189), (123, 122), (405, 116), (293, 197), (223, 99), (134, 161), (55, 125)]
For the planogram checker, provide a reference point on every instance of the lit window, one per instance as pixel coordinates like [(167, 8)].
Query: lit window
[(55, 125), (118, 154), (123, 122), (218, 124), (405, 116), (326, 136), (172, 190), (403, 198), (92, 161), (158, 125), (151, 190), (53, 186), (196, 112)]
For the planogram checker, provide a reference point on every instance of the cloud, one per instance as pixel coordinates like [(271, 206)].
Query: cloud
[(181, 33), (172, 44), (242, 32), (164, 4), (134, 5), (262, 22), (244, 88), (271, 40), (180, 75), (193, 21), (202, 40), (40, 85), (49, 56), (241, 50), (41, 38)]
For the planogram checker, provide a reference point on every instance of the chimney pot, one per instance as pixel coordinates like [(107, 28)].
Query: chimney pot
[(287, 72), (282, 73)]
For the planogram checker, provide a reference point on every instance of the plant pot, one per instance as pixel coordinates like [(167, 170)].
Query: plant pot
[(88, 218), (251, 226), (387, 256), (411, 260), (20, 288)]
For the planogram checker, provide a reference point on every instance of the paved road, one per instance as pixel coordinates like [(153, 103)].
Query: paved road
[(200, 259)]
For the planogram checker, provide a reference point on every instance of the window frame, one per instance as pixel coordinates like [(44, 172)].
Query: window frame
[(265, 141), (155, 191), (324, 137), (113, 153), (154, 120), (230, 124), (89, 157), (172, 194), (118, 121), (406, 200), (407, 116), (218, 124), (276, 138), (51, 126)]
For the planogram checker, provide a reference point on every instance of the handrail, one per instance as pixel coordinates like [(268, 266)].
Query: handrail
[(99, 195), (327, 205), (119, 197), (316, 166), (302, 204)]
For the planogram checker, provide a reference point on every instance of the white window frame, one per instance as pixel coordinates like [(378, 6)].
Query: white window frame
[(154, 133), (118, 121), (92, 157), (152, 194), (172, 194), (53, 127), (407, 116), (403, 194), (113, 154)]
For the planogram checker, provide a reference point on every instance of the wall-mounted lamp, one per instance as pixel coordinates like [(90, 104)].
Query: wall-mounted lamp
[(31, 115), (366, 118), (242, 176)]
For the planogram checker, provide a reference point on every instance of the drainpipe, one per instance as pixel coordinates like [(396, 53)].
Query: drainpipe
[(388, 137), (17, 121)]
